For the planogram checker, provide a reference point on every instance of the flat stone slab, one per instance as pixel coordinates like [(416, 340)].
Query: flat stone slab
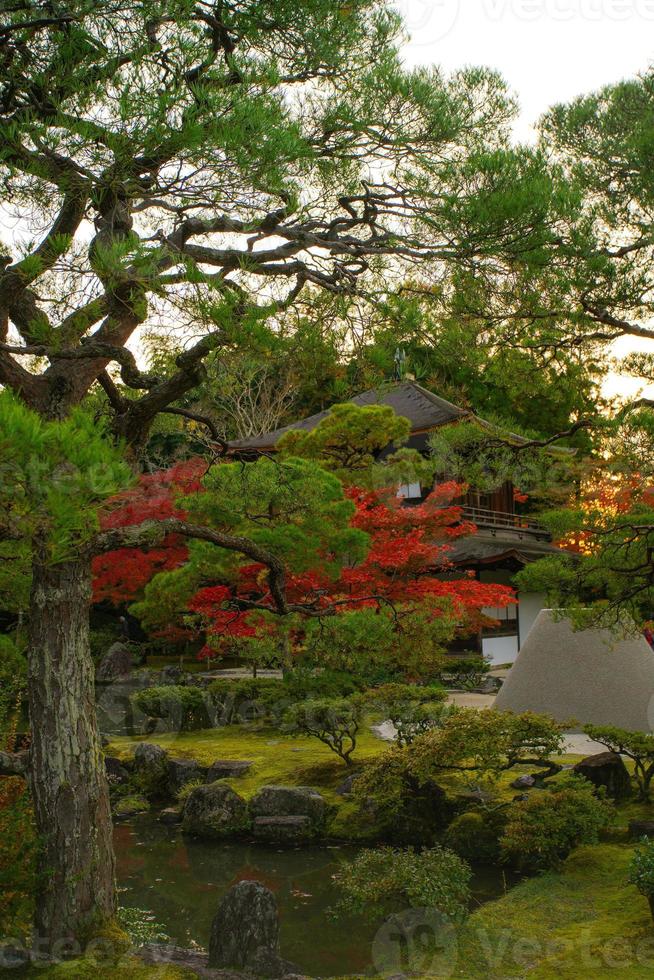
[(197, 963), (227, 769), (286, 828), (282, 801)]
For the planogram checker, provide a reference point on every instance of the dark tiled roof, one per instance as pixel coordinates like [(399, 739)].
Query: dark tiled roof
[(422, 408), (487, 547)]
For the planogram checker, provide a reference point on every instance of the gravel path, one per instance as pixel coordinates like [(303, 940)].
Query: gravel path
[(576, 743)]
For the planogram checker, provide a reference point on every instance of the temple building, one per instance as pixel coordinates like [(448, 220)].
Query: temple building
[(505, 541)]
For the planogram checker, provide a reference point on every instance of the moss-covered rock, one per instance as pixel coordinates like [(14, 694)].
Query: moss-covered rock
[(130, 806), (287, 801), (215, 810)]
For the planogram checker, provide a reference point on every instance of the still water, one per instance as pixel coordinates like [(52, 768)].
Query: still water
[(181, 880)]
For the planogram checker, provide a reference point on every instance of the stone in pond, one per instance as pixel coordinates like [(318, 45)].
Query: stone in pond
[(227, 769), (214, 810), (170, 815), (283, 801), (130, 806), (245, 932), (283, 829), (606, 769)]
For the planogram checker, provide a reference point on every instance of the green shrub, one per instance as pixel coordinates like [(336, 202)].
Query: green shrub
[(413, 709), (182, 708), (475, 834), (541, 831), (641, 870), (383, 880), (465, 673), (251, 699)]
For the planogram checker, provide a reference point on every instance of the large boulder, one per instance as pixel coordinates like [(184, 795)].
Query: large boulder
[(214, 810), (227, 769), (115, 665), (245, 932), (183, 771), (290, 801), (606, 769)]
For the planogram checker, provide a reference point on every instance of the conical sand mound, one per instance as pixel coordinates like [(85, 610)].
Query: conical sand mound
[(589, 675)]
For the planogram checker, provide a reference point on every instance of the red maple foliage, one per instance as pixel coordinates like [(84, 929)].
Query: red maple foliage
[(120, 576), (409, 552)]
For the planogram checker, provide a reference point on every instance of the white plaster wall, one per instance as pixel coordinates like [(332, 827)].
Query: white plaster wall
[(500, 649)]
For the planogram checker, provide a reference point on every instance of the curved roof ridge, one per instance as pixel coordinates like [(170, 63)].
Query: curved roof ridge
[(423, 408)]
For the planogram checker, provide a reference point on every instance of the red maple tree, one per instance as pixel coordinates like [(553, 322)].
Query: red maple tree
[(404, 566)]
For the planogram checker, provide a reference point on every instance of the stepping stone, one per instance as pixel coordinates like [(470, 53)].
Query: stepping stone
[(227, 769)]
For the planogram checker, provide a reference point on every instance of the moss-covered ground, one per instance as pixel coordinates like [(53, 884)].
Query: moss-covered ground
[(582, 923), (277, 760)]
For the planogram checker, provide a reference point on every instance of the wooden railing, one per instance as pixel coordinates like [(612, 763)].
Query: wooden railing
[(495, 519)]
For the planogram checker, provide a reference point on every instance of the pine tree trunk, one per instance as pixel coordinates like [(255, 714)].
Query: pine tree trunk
[(68, 782)]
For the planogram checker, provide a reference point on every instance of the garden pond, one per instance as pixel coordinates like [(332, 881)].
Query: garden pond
[(180, 880)]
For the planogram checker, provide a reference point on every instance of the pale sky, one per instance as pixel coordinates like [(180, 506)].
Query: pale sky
[(548, 51)]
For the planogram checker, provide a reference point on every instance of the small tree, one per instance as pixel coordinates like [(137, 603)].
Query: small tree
[(466, 673), (637, 746), (641, 871), (395, 802), (487, 743), (412, 709), (335, 722)]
